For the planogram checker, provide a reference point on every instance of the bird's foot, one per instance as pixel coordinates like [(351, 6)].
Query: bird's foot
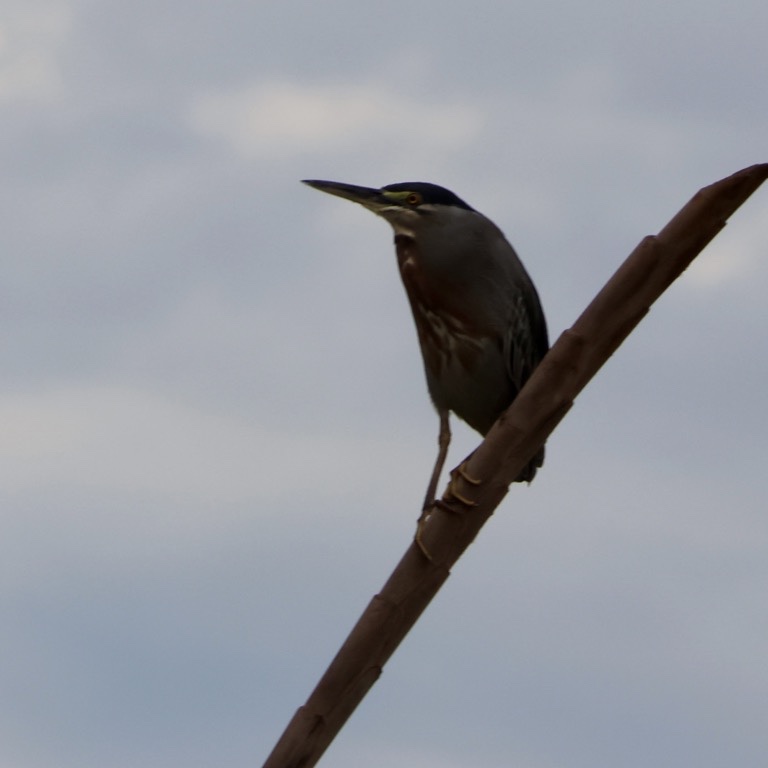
[(426, 513), (451, 495), (420, 523), (451, 492)]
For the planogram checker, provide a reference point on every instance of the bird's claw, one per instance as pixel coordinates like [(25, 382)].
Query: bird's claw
[(426, 513), (419, 528), (461, 471), (451, 494)]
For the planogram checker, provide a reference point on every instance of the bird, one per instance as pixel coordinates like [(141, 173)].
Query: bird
[(478, 316)]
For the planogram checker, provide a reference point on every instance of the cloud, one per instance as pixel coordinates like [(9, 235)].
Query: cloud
[(30, 37), (135, 441), (261, 119), (737, 254)]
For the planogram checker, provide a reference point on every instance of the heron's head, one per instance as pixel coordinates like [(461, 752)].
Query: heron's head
[(409, 206)]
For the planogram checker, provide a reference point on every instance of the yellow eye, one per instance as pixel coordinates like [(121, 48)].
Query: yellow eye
[(414, 198)]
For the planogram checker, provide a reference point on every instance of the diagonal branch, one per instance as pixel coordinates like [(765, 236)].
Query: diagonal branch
[(573, 360)]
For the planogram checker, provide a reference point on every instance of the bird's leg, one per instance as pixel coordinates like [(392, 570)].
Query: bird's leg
[(443, 441)]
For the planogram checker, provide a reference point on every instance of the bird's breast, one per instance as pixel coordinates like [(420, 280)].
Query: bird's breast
[(466, 371)]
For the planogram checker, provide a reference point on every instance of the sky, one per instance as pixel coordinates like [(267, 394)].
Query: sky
[(216, 432)]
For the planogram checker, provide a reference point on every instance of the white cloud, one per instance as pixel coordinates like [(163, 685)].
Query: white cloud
[(30, 37), (133, 441), (286, 117), (738, 252)]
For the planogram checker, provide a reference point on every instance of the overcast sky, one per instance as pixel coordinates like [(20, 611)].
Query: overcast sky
[(215, 429)]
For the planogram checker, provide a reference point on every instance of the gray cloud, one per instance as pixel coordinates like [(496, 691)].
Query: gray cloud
[(216, 432)]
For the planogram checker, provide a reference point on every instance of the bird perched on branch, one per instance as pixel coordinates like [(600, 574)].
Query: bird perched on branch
[(478, 317)]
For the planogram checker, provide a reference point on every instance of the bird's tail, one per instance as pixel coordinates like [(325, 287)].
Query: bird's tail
[(529, 470)]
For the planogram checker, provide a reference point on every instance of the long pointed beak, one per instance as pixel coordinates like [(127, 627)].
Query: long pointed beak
[(373, 199)]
